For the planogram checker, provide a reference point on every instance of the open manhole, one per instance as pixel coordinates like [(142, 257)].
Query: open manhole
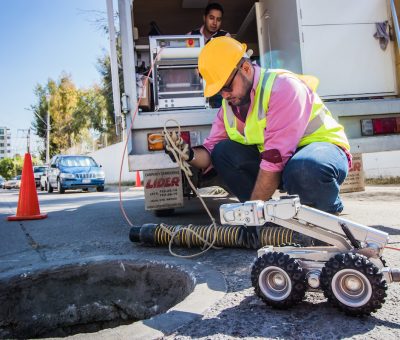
[(88, 297)]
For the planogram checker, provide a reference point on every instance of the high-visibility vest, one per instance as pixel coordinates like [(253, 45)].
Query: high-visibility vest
[(321, 127)]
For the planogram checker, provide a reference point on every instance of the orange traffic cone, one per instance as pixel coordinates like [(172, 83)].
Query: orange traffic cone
[(28, 204), (138, 180)]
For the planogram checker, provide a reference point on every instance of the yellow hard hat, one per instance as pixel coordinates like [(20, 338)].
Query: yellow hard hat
[(217, 60)]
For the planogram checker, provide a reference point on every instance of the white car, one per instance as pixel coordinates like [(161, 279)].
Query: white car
[(43, 180), (38, 171), (14, 183)]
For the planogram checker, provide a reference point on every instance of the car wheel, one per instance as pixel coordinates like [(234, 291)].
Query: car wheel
[(85, 189), (49, 188), (60, 189), (100, 189)]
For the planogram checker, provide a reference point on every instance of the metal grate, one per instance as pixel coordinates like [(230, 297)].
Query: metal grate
[(85, 175)]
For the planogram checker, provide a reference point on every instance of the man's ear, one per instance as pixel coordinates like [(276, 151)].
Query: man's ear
[(246, 67)]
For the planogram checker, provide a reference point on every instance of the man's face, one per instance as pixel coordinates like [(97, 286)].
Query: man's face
[(213, 21), (238, 89)]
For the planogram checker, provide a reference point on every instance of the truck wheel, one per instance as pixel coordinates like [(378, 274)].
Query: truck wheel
[(278, 280), (49, 188), (100, 189), (353, 284), (163, 212), (60, 189)]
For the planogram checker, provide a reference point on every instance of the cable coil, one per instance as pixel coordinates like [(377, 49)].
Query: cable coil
[(223, 236)]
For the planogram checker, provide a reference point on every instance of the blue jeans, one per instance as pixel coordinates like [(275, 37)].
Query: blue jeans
[(315, 172)]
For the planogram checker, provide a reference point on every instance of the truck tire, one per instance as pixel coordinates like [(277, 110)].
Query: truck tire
[(100, 189)]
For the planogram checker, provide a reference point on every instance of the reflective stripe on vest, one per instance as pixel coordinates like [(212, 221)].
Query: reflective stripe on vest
[(321, 126), (255, 121)]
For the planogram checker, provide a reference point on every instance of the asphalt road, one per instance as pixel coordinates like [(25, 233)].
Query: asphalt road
[(89, 224)]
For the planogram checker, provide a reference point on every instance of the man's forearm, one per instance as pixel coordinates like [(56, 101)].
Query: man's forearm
[(266, 184), (202, 158)]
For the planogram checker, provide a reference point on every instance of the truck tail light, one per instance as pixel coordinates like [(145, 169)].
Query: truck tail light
[(186, 136), (155, 141), (380, 126)]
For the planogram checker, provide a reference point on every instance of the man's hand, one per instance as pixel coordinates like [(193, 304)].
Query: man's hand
[(175, 147)]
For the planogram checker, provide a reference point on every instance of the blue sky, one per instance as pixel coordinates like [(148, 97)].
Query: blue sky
[(41, 39)]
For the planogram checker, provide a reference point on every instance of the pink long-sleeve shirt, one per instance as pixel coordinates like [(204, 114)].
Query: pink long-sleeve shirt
[(287, 117)]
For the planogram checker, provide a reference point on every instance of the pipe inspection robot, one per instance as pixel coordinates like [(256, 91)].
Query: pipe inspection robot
[(350, 269)]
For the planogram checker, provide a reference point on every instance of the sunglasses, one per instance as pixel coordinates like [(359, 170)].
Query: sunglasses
[(228, 86)]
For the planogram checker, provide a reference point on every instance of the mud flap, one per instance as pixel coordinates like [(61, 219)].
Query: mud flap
[(163, 189)]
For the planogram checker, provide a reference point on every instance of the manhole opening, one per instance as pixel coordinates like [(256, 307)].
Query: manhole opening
[(85, 298)]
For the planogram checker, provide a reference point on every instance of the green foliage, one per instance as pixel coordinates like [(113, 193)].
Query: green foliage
[(7, 168), (18, 164), (73, 113)]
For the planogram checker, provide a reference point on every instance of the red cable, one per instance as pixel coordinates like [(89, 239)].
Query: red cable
[(393, 248), (127, 139)]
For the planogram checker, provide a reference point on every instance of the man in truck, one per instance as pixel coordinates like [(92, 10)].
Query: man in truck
[(271, 132), (212, 21)]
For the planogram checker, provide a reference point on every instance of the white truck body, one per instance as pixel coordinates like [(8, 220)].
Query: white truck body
[(333, 40)]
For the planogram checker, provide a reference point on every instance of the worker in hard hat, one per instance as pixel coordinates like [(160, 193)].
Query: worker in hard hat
[(212, 21), (272, 131)]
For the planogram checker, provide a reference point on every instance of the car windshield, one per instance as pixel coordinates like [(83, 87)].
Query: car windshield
[(18, 177), (77, 161), (39, 169)]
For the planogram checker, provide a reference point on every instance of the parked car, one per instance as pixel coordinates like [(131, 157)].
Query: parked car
[(14, 183), (74, 172), (43, 180), (38, 171)]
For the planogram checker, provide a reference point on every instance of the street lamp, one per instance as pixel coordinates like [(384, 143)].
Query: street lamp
[(48, 97)]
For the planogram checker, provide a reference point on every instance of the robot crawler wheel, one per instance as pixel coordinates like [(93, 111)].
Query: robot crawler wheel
[(278, 280), (354, 284)]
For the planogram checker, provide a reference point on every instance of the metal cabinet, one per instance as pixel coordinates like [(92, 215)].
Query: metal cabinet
[(333, 40)]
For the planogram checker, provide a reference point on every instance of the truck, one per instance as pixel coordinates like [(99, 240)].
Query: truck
[(351, 46)]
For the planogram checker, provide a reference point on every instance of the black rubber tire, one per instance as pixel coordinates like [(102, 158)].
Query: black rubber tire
[(293, 270), (360, 263), (85, 189), (60, 189), (49, 188), (100, 189), (163, 212)]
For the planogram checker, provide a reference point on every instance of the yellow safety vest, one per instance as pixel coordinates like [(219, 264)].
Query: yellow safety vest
[(322, 127)]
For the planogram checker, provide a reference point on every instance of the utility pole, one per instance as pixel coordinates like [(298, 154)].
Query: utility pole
[(47, 123), (28, 141), (28, 138), (48, 130)]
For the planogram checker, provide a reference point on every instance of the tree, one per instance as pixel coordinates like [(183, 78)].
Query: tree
[(104, 68), (18, 164), (7, 168), (74, 113), (64, 97)]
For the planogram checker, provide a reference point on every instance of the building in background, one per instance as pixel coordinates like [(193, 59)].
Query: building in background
[(5, 142)]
